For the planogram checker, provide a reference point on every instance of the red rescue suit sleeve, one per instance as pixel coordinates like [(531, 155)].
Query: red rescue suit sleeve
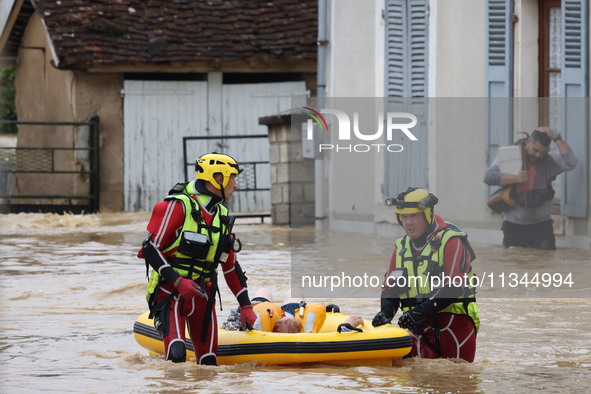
[(391, 267), (166, 222), (164, 226), (457, 258)]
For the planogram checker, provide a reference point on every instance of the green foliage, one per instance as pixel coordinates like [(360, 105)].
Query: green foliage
[(7, 108)]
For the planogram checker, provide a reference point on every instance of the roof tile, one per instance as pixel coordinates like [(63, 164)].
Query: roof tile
[(90, 32)]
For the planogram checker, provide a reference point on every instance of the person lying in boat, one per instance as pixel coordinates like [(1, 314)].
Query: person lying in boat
[(291, 307), (234, 322), (287, 325), (268, 314), (309, 316)]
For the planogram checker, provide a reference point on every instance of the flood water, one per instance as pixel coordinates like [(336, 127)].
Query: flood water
[(71, 289)]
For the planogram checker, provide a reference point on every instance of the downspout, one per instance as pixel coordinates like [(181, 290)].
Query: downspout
[(319, 193)]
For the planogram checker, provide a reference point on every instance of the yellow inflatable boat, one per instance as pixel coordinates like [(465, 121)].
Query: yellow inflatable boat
[(373, 346)]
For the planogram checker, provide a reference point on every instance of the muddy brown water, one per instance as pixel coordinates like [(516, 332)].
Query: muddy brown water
[(71, 288)]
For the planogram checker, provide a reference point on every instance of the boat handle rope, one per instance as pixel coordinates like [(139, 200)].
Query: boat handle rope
[(349, 327)]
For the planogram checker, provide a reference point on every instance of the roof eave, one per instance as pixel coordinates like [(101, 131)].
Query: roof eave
[(238, 65), (54, 57)]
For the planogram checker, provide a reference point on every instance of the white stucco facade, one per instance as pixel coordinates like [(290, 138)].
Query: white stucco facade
[(457, 89)]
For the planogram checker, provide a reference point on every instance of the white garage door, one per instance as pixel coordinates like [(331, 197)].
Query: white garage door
[(158, 114)]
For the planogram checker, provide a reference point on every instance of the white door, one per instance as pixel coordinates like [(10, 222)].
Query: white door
[(241, 107), (157, 114)]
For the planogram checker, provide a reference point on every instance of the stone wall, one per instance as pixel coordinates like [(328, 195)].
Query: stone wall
[(45, 93), (292, 176)]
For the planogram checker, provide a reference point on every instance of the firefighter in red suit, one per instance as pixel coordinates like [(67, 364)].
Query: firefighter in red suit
[(190, 238), (429, 279)]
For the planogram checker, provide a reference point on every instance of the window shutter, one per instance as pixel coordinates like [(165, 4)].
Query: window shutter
[(406, 48), (575, 85), (417, 36), (499, 75), (406, 89), (500, 48), (395, 48)]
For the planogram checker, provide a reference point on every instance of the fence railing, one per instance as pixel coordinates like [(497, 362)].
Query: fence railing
[(53, 168), (251, 184)]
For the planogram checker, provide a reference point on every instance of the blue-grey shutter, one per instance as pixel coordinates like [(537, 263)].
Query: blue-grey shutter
[(417, 38), (500, 48), (575, 87), (406, 48), (396, 48), (406, 23), (499, 74)]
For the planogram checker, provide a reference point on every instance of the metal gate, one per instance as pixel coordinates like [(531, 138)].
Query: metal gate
[(253, 196), (55, 168)]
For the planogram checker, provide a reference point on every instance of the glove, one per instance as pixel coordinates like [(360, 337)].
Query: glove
[(247, 316), (411, 319), (189, 289), (380, 319)]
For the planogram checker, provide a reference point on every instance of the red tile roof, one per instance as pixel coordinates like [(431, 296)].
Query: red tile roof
[(88, 33)]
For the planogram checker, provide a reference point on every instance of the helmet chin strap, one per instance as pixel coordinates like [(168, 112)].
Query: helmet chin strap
[(422, 240), (222, 189)]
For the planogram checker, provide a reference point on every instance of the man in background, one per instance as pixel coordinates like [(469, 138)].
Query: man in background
[(528, 223)]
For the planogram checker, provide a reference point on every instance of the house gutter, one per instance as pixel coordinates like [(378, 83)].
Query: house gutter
[(319, 192)]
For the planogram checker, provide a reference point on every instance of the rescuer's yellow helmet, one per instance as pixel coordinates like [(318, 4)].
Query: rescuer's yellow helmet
[(414, 200), (212, 163)]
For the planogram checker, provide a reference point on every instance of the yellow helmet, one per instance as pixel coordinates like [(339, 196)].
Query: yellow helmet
[(212, 163), (414, 200)]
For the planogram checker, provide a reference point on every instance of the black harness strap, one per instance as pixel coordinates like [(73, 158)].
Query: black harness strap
[(437, 329), (192, 265), (436, 347), (160, 305), (209, 307)]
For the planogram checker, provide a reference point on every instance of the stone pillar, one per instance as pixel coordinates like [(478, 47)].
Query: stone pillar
[(292, 176)]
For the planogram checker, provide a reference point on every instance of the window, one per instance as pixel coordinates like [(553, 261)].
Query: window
[(550, 61), (550, 48)]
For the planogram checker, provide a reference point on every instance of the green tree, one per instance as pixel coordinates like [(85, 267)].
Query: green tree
[(7, 108)]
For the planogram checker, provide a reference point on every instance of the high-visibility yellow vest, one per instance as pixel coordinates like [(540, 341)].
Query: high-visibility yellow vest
[(421, 268), (186, 266)]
